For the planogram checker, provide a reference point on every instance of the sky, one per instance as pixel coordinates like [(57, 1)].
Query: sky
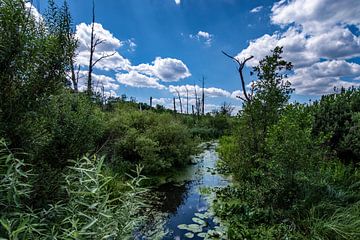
[(161, 47)]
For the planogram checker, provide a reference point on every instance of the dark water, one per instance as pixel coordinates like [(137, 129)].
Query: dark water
[(181, 199)]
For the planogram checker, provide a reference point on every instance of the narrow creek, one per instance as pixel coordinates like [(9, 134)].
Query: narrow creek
[(184, 202)]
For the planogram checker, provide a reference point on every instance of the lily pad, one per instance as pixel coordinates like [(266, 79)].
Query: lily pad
[(182, 226), (198, 221), (202, 235), (195, 228), (201, 215), (189, 235)]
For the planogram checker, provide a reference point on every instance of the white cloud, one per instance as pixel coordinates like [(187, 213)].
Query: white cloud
[(166, 69), (322, 77), (109, 46), (257, 9), (316, 15), (177, 2), (34, 12), (99, 81), (162, 101), (142, 76), (211, 92), (135, 79), (313, 31), (204, 37)]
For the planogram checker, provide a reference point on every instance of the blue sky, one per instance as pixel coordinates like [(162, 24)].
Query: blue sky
[(164, 45)]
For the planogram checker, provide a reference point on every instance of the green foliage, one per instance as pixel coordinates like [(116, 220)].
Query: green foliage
[(91, 209), (337, 115), (289, 184), (33, 63), (157, 141), (94, 212), (66, 127)]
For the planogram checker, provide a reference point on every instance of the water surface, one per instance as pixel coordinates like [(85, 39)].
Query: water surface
[(186, 198)]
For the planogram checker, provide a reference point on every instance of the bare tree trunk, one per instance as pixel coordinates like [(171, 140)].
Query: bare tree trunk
[(240, 69), (203, 96), (92, 50), (187, 100), (151, 99), (74, 78), (178, 93), (94, 42), (193, 110), (196, 101), (174, 105)]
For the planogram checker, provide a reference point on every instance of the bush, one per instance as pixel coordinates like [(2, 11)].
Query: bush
[(157, 141)]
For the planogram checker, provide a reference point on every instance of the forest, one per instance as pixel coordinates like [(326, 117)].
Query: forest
[(77, 165)]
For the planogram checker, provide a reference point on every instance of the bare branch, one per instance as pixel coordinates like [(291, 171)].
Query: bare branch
[(98, 42), (240, 69), (103, 57)]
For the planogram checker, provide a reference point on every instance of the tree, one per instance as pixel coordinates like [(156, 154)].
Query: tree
[(261, 110), (241, 65), (94, 42)]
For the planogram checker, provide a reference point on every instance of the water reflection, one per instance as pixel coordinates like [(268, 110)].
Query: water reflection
[(181, 201)]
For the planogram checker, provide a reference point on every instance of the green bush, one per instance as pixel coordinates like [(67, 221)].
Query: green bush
[(157, 141)]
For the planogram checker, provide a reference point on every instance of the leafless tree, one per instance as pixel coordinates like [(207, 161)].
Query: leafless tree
[(178, 93), (187, 100), (241, 65), (174, 105), (203, 96), (94, 42), (197, 104)]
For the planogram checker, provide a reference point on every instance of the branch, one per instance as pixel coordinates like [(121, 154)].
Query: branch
[(241, 98), (98, 42), (240, 68), (103, 57)]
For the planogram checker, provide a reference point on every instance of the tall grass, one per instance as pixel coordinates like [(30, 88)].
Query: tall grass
[(91, 208)]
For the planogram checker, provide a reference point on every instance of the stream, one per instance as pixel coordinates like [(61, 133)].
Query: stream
[(184, 202)]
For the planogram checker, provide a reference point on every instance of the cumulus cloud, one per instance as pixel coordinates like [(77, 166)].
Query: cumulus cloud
[(322, 77), (100, 82), (165, 69), (135, 79), (143, 75), (34, 12), (315, 34), (109, 46), (204, 37), (257, 9), (316, 15), (211, 92)]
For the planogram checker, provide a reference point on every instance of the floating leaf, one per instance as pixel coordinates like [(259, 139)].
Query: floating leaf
[(189, 235), (182, 227), (195, 228), (201, 215), (198, 221), (202, 235)]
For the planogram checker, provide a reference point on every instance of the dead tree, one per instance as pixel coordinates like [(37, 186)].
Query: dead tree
[(74, 77), (247, 97), (94, 42), (203, 96), (151, 99), (187, 100), (178, 93), (174, 105), (196, 101)]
